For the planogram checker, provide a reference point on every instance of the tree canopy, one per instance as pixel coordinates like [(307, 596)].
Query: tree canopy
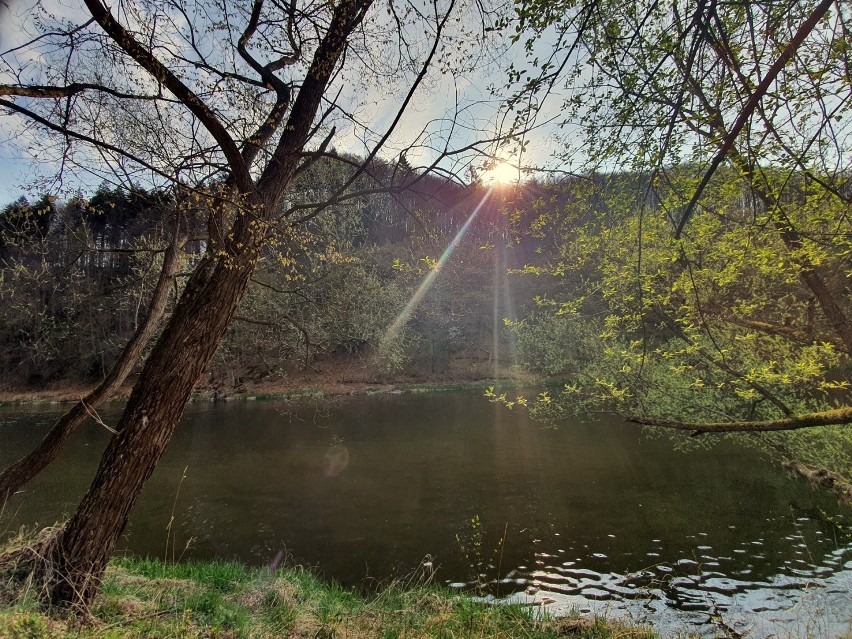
[(721, 267), (223, 106)]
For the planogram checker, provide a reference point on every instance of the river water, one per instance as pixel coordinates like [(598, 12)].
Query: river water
[(589, 516)]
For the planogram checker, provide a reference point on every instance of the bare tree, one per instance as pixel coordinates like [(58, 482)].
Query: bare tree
[(228, 103)]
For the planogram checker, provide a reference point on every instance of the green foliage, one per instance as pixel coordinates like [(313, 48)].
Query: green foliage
[(554, 343), (327, 289), (29, 625), (22, 225), (479, 560), (68, 309), (716, 325), (364, 306), (829, 447), (745, 314)]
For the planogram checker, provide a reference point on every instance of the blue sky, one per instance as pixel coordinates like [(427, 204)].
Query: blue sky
[(19, 174), (13, 174)]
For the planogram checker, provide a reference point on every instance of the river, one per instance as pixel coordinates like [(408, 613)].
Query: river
[(589, 516)]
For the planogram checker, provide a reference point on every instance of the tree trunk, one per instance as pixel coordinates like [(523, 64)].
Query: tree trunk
[(83, 547), (23, 470), (814, 281), (836, 417)]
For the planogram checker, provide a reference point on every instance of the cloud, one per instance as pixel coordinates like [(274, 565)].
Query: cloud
[(8, 11)]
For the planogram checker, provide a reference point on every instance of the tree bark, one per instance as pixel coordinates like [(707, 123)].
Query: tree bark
[(23, 470), (837, 417), (83, 547), (822, 478)]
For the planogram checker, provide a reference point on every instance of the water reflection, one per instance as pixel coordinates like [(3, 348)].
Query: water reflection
[(591, 516)]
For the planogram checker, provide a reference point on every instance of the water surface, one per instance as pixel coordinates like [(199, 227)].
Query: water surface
[(591, 515)]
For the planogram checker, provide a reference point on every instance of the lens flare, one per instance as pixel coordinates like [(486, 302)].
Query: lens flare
[(503, 306)]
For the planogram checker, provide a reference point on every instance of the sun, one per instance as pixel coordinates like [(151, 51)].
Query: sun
[(501, 172)]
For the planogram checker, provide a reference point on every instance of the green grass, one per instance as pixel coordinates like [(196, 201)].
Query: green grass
[(143, 598)]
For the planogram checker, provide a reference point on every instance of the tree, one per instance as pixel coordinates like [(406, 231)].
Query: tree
[(66, 281), (23, 470), (227, 105), (729, 251), (22, 224)]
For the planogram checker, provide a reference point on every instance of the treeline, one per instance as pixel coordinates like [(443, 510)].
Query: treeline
[(578, 278), (77, 275)]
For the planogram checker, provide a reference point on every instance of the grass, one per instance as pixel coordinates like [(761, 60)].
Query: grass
[(150, 599)]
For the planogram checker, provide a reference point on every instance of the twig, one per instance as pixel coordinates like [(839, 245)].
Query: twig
[(93, 414)]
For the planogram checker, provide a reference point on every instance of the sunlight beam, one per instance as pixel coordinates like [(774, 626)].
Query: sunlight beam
[(424, 287)]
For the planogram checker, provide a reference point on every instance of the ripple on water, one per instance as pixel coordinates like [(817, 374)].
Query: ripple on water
[(759, 570), (697, 588)]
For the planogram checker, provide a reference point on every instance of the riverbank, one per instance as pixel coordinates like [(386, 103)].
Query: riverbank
[(149, 598), (305, 385)]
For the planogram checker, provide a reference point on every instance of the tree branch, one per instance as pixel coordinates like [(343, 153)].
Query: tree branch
[(721, 364), (45, 91), (59, 128), (273, 181), (23, 470), (290, 320), (750, 106), (836, 417), (161, 73), (782, 331)]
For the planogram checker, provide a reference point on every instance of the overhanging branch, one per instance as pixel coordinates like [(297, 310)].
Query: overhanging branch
[(46, 91), (64, 130), (836, 417)]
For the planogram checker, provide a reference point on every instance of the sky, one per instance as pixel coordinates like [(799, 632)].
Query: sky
[(11, 168), (17, 169), (21, 173)]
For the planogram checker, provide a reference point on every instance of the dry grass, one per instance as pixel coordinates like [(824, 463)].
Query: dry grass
[(25, 564), (150, 599)]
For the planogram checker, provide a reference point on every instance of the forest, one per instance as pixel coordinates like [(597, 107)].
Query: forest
[(231, 199), (326, 298), (78, 276)]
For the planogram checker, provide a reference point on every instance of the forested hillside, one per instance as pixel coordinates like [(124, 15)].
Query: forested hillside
[(577, 279), (77, 277)]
